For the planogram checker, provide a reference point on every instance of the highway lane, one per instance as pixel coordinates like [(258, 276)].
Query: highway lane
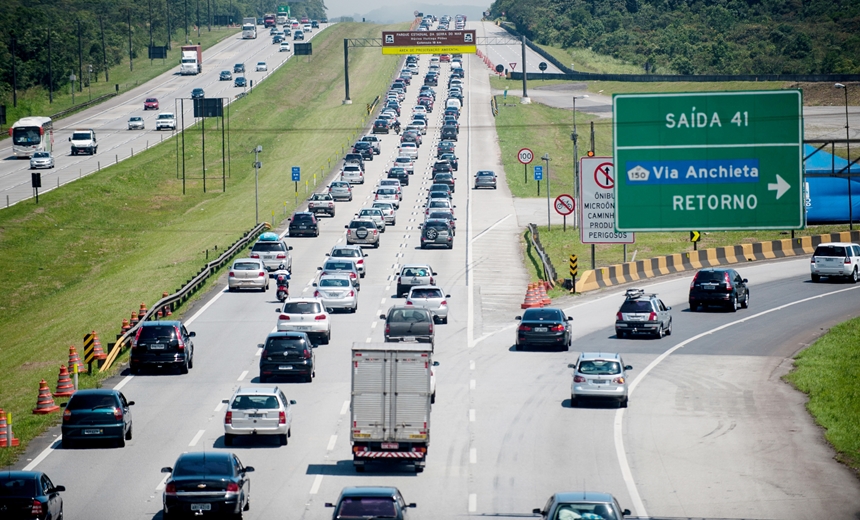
[(109, 119), (503, 437)]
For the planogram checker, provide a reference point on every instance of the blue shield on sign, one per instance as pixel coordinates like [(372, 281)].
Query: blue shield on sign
[(538, 173), (297, 173)]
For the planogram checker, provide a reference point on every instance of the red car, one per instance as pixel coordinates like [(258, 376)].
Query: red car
[(444, 58), (150, 104)]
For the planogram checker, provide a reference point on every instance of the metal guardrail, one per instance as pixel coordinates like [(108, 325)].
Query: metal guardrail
[(494, 105), (186, 291), (82, 106), (548, 269), (372, 106)]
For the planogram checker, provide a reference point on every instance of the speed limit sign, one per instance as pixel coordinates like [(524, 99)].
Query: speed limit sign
[(525, 156)]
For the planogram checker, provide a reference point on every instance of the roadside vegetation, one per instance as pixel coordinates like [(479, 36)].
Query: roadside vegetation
[(126, 234), (828, 372)]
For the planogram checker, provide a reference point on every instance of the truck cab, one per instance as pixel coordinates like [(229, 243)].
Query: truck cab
[(84, 141)]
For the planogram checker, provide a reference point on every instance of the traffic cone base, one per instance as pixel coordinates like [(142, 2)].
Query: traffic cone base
[(45, 403)]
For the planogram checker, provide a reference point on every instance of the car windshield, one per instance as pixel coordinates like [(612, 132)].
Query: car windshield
[(542, 314), (334, 282), (246, 266), (830, 251), (41, 154), (346, 253), (636, 306), (600, 368), (18, 487), (593, 511), (302, 308), (415, 271), (157, 332), (367, 507), (165, 116), (136, 118), (189, 467), (81, 136), (268, 247), (255, 402), (91, 401), (426, 293)]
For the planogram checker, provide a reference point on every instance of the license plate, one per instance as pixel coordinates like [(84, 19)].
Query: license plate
[(285, 367), (600, 381), (708, 287), (408, 338), (302, 328), (156, 347), (268, 257), (415, 280), (541, 329), (201, 507), (390, 445), (303, 227), (92, 431), (255, 415)]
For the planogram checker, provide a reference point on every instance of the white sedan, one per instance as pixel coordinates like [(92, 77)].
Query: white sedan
[(337, 292), (408, 150), (248, 273), (307, 315), (262, 67)]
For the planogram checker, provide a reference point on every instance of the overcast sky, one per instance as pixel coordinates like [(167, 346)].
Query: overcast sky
[(351, 7)]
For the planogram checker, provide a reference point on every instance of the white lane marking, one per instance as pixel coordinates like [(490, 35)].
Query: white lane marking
[(42, 456), (373, 325), (197, 314), (471, 384), (122, 383), (317, 483), (388, 287), (160, 486), (259, 352), (476, 237), (473, 456), (242, 375), (367, 340), (470, 299), (472, 415), (196, 438), (220, 406), (382, 302), (344, 408), (619, 414), (471, 365), (473, 502), (331, 442)]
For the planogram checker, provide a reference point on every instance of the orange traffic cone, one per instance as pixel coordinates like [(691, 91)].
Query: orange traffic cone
[(98, 352), (167, 308), (134, 319), (4, 433), (65, 388), (125, 326), (544, 298), (142, 312), (532, 299), (45, 403), (74, 359)]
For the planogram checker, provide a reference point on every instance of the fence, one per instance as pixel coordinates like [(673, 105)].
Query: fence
[(549, 273)]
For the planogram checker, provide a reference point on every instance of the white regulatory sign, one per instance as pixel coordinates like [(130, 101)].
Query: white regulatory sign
[(597, 203), (525, 156)]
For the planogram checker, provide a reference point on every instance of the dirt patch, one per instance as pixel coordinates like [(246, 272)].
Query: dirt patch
[(825, 94)]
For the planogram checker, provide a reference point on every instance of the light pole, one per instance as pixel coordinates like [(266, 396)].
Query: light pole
[(575, 138), (848, 154), (72, 79), (546, 159), (89, 84), (257, 166)]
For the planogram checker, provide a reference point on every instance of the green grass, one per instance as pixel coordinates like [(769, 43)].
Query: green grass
[(828, 372), (585, 60), (35, 101), (97, 247)]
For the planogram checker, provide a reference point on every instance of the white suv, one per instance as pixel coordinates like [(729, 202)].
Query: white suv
[(258, 411), (306, 315), (834, 259), (165, 121)]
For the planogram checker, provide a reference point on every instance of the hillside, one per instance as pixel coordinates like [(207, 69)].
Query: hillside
[(700, 37)]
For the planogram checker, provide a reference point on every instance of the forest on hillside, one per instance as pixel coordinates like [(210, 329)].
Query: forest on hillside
[(96, 32), (700, 36)]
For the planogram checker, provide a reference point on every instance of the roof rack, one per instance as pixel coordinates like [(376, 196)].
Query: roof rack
[(634, 293)]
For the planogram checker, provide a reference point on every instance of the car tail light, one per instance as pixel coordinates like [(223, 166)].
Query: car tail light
[(578, 379), (67, 415), (316, 294), (524, 328), (284, 317), (652, 316), (375, 232), (360, 261), (619, 316), (408, 302), (444, 302), (282, 256), (618, 380), (180, 344), (117, 413), (812, 259), (376, 197), (265, 353), (729, 281), (319, 317), (847, 260), (432, 281), (387, 328), (255, 255), (351, 294), (693, 283), (228, 418), (282, 416), (323, 273), (232, 274), (136, 336), (431, 326), (261, 273), (37, 508), (352, 275), (232, 487), (557, 328)]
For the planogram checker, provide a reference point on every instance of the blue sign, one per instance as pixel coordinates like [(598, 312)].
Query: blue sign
[(297, 173), (708, 171), (538, 173)]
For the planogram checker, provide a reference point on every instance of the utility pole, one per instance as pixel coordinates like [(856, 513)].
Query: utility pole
[(104, 47), (186, 22), (848, 158), (198, 19), (257, 165), (167, 10), (546, 159), (50, 70), (209, 14), (150, 24)]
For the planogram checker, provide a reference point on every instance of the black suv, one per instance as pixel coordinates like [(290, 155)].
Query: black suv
[(304, 223), (287, 354), (162, 344), (723, 287), (442, 166), (400, 174), (354, 158), (449, 132), (444, 147), (365, 149)]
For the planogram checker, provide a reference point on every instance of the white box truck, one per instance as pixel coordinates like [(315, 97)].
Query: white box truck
[(390, 403)]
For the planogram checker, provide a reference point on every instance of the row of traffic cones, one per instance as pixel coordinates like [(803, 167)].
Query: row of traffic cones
[(489, 63), (536, 296), (138, 315)]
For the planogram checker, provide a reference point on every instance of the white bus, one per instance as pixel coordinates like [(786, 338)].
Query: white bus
[(32, 134), (249, 31)]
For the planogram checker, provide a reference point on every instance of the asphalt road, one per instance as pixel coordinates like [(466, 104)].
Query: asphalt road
[(110, 119), (509, 56), (711, 431)]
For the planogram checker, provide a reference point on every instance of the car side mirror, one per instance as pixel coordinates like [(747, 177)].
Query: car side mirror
[(57, 489), (628, 367), (569, 318), (130, 403), (382, 316), (746, 281), (366, 255), (435, 273), (225, 401), (447, 296), (455, 218), (292, 401), (329, 504), (571, 365), (289, 248), (455, 206), (413, 505), (248, 469), (668, 308), (167, 469), (192, 334), (626, 512), (319, 268), (277, 309), (420, 226), (70, 139), (329, 310), (536, 511), (518, 317), (346, 227), (314, 284)]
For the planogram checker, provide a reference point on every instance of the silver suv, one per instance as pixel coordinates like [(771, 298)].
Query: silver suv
[(362, 231), (599, 376), (374, 214), (412, 275), (258, 411), (273, 253), (643, 314)]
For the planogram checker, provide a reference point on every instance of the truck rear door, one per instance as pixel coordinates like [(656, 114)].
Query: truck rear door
[(371, 395), (410, 408)]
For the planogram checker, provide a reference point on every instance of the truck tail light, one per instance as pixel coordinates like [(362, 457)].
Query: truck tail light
[(387, 328), (432, 281)]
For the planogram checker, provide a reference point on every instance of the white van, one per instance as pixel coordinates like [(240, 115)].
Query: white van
[(453, 103)]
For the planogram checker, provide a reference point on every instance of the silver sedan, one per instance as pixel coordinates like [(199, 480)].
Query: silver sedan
[(336, 292), (485, 179), (136, 123), (431, 298), (41, 160)]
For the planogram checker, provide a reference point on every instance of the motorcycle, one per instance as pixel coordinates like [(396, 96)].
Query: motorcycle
[(282, 281)]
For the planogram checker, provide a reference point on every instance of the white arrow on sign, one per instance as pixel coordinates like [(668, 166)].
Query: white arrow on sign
[(780, 187)]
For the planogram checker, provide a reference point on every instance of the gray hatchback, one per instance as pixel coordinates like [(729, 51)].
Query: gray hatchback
[(409, 323)]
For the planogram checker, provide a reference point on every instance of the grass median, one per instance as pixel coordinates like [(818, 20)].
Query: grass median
[(828, 372), (91, 251)]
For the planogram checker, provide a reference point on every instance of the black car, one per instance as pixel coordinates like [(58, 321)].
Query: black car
[(452, 159), (543, 326), (315, 24), (441, 187), (29, 495), (400, 174), (437, 232), (197, 93), (304, 223), (449, 132), (457, 73), (452, 111), (370, 502), (206, 483), (442, 166), (239, 68), (381, 126), (161, 344), (278, 38), (445, 178), (240, 82), (431, 79), (96, 415), (355, 158), (225, 76), (427, 91), (719, 286), (287, 354), (444, 147), (365, 149), (451, 120)]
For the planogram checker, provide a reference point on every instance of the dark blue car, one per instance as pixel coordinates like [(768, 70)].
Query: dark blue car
[(206, 483), (29, 495), (240, 82), (100, 414)]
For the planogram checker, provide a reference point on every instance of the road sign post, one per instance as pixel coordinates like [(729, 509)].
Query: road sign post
[(708, 161), (597, 203), (525, 156), (695, 236), (573, 265), (564, 206), (538, 177), (297, 176)]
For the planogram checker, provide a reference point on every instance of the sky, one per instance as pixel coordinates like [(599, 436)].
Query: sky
[(351, 7)]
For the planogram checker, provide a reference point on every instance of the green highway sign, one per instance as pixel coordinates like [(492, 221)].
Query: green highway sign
[(283, 9), (708, 161)]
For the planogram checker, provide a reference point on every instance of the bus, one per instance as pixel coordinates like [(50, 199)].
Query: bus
[(32, 134), (249, 31)]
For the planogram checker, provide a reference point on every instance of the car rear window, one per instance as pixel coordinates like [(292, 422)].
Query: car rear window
[(303, 216), (636, 306), (255, 402), (441, 226), (91, 401), (321, 196), (281, 344), (339, 266), (712, 276), (202, 466), (542, 314), (600, 367), (302, 308), (409, 315), (246, 266), (426, 293), (346, 252), (830, 251), (268, 246), (367, 507), (334, 282), (356, 224), (386, 191), (160, 332), (438, 203), (371, 212), (18, 487), (414, 271)]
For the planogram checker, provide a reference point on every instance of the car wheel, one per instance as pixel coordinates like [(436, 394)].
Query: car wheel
[(327, 338), (816, 278), (450, 246), (191, 361), (854, 276), (733, 305), (228, 439), (130, 432), (619, 334), (669, 329), (359, 468), (263, 379), (120, 443), (283, 439), (660, 332), (184, 368), (623, 403), (573, 402), (361, 275), (746, 303)]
